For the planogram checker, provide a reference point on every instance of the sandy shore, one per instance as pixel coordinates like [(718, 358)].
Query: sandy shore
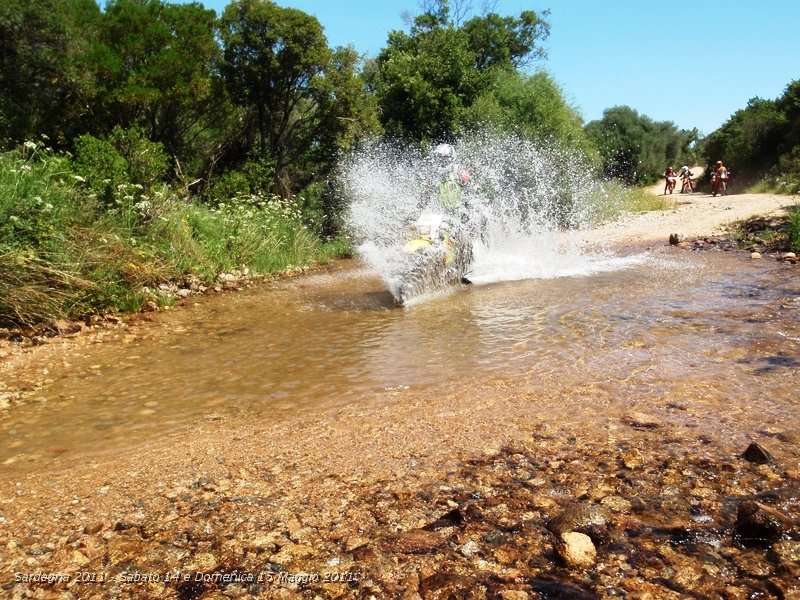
[(439, 495)]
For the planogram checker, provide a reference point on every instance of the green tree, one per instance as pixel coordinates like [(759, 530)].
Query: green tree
[(636, 149), (45, 84), (752, 140), (789, 106), (272, 58), (155, 64), (347, 116), (348, 112), (499, 41), (425, 80), (531, 106)]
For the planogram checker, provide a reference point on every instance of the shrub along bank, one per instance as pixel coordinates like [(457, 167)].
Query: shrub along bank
[(96, 232)]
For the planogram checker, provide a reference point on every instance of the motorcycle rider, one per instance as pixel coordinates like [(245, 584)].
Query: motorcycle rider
[(670, 180), (686, 178), (453, 178), (719, 178)]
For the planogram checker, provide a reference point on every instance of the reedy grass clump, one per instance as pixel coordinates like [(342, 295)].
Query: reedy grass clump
[(66, 252), (613, 198), (793, 230)]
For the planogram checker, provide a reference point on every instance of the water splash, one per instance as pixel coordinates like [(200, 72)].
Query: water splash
[(525, 206)]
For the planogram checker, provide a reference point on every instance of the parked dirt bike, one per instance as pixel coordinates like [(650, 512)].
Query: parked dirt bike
[(438, 254), (719, 183)]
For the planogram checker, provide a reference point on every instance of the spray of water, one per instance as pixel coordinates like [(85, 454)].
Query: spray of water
[(524, 206)]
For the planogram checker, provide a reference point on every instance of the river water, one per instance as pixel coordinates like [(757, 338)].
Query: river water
[(663, 324)]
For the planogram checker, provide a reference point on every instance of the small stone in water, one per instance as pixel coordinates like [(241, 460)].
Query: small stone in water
[(469, 549), (576, 550)]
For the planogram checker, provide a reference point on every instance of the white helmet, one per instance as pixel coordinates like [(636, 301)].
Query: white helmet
[(445, 151)]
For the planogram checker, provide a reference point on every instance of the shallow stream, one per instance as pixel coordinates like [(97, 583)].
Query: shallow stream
[(714, 327)]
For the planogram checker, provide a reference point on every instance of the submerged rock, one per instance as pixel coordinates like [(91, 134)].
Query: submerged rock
[(589, 519), (579, 517), (760, 525), (640, 420)]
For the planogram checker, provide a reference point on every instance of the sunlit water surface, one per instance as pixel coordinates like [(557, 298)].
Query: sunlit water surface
[(639, 325)]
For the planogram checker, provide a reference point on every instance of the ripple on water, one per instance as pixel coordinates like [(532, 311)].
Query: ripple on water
[(662, 330)]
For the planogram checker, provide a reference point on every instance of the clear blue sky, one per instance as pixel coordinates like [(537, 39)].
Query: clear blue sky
[(691, 63)]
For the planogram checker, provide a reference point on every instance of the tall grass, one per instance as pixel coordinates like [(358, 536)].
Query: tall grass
[(65, 253), (613, 199), (793, 230)]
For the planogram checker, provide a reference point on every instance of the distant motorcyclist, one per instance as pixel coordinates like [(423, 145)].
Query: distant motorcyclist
[(719, 178), (686, 178), (670, 180)]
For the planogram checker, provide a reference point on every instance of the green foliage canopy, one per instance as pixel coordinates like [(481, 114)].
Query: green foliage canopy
[(428, 78), (531, 106), (272, 56), (46, 84), (761, 139), (636, 149), (155, 67)]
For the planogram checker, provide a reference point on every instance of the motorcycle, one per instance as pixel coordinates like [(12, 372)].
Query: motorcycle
[(437, 254)]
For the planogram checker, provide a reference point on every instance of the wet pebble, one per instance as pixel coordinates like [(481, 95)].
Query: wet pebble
[(759, 525), (576, 550)]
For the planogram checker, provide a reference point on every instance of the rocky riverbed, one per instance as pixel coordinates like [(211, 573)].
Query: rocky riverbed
[(636, 508)]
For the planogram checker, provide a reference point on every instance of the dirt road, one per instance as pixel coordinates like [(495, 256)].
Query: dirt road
[(693, 215)]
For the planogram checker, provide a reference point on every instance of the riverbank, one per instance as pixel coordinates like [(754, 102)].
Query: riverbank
[(691, 216), (439, 491)]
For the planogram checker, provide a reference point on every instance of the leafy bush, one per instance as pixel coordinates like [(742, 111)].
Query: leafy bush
[(63, 254), (231, 184), (125, 158), (147, 163), (102, 167)]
